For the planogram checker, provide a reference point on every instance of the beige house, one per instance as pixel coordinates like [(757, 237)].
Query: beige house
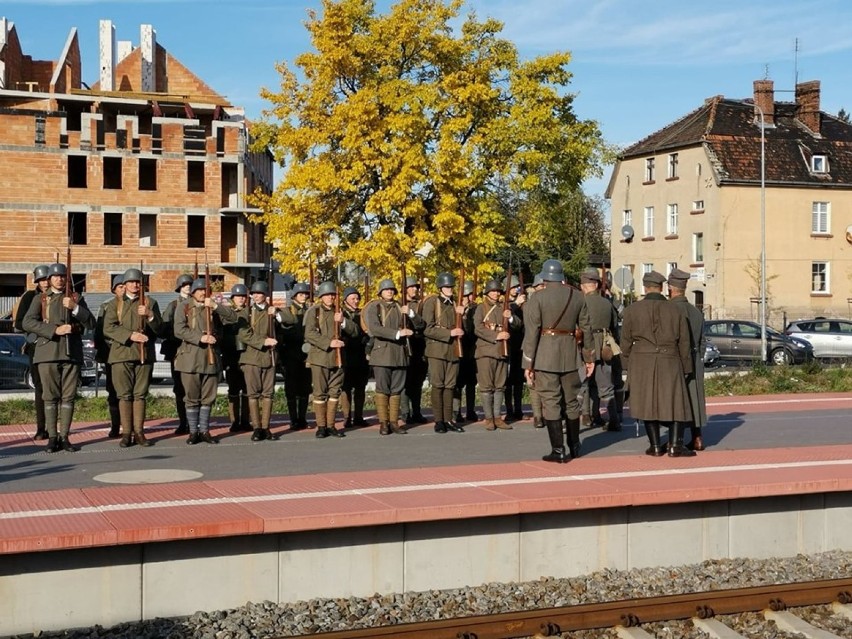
[(689, 195)]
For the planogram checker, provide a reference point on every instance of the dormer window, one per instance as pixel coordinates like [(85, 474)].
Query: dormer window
[(819, 164)]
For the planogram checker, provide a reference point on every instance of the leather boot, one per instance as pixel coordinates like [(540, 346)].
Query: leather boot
[(470, 399), (51, 416), (614, 422), (652, 428), (359, 395), (302, 402), (125, 409), (234, 412), (331, 414), (383, 412), (573, 430), (510, 406), (487, 398), (66, 414), (320, 413), (245, 420), (518, 392), (448, 412), (697, 442), (139, 423), (293, 412), (266, 419), (114, 421), (257, 433), (557, 445), (676, 447), (393, 416)]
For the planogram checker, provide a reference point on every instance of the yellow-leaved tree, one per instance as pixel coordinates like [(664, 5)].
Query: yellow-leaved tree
[(405, 128)]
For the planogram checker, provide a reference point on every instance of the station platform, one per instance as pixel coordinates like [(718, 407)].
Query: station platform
[(303, 517)]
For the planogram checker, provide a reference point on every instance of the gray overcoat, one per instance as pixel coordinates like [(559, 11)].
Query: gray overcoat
[(695, 382)]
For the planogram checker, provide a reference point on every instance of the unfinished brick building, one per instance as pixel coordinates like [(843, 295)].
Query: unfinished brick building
[(149, 164)]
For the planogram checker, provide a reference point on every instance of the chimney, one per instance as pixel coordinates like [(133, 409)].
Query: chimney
[(107, 55), (807, 105), (764, 97), (148, 42)]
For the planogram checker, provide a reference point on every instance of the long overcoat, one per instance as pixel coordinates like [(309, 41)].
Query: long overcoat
[(695, 382), (655, 350)]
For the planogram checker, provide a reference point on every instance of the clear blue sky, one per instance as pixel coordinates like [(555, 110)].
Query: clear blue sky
[(637, 65)]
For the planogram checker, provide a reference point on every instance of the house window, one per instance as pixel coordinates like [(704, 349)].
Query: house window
[(112, 229), (112, 173), (698, 205), (195, 231), (649, 169), (819, 164), (77, 171), (671, 219), (195, 177), (820, 218), (147, 174), (77, 227), (672, 166), (628, 217), (698, 248), (670, 266), (820, 277), (147, 229), (649, 221)]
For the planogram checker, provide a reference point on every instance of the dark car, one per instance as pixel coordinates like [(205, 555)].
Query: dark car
[(829, 337), (739, 340), (89, 370), (14, 365), (711, 355)]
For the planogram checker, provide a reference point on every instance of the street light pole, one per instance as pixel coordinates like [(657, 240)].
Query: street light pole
[(763, 349)]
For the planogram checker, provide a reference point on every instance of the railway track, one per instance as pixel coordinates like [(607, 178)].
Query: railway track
[(625, 615)]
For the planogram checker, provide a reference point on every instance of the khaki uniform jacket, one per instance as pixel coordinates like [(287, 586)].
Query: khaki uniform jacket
[(252, 333), (543, 312), (356, 347), (695, 382), (656, 353), (20, 311), (439, 313), (384, 320), (293, 334), (319, 331), (170, 344), (120, 320), (232, 346), (48, 346), (190, 324), (603, 317), (487, 322)]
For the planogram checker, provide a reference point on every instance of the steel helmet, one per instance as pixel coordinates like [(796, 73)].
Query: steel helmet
[(182, 281), (551, 271), (260, 287), (301, 287), (445, 279), (411, 281), (468, 288), (40, 272), (198, 284), (349, 290), (327, 288), (239, 289), (513, 284), (133, 275), (117, 280), (493, 285), (537, 280), (385, 285), (57, 269)]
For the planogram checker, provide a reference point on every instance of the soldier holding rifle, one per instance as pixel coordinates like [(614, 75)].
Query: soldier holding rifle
[(132, 324), (58, 318), (169, 347), (42, 283), (415, 375), (465, 390), (233, 349), (297, 383), (102, 347), (356, 369)]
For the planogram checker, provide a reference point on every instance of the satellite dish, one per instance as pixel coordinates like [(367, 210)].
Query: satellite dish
[(623, 279), (627, 232)]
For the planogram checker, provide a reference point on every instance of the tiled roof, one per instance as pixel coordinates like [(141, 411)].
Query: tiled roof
[(731, 135)]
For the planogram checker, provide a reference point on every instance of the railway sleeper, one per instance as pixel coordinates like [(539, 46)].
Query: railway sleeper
[(716, 629), (842, 609), (789, 622), (633, 633)]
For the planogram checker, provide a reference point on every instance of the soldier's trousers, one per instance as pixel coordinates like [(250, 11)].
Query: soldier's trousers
[(235, 379), (355, 380), (200, 389), (491, 374), (38, 396), (131, 380), (413, 396), (557, 390), (327, 382), (389, 380), (442, 378), (180, 394), (259, 382), (59, 381)]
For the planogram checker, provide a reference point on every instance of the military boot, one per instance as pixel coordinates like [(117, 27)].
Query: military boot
[(345, 408), (331, 417), (51, 415), (697, 442), (293, 411), (613, 420), (125, 409), (245, 420), (393, 416), (266, 419), (572, 426), (66, 414), (204, 433), (139, 423), (382, 411), (257, 433), (557, 445), (676, 447), (652, 428), (114, 421), (487, 398), (447, 394), (183, 422), (234, 412), (321, 416), (192, 417)]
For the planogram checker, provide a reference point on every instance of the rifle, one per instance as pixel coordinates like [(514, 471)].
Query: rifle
[(208, 312), (338, 351), (459, 317), (505, 326), (367, 294), (195, 271), (270, 321), (403, 323), (69, 292), (141, 320), (311, 280)]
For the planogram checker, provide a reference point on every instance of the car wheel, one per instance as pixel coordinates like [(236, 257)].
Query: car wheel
[(780, 357), (28, 380)]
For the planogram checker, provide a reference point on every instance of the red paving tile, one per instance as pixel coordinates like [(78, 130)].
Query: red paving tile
[(182, 522), (31, 534), (43, 500), (146, 493), (321, 513)]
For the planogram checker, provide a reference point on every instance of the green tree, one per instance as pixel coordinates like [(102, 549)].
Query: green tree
[(401, 130), (843, 116)]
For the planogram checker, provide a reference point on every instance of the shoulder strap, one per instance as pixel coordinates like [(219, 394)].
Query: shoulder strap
[(564, 310)]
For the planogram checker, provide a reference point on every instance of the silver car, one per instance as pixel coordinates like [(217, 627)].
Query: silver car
[(829, 337)]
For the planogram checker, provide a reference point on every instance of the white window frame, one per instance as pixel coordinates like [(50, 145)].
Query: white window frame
[(698, 248), (649, 169), (821, 277), (671, 219), (698, 205), (672, 166), (819, 164), (820, 218), (647, 267), (648, 222), (627, 217)]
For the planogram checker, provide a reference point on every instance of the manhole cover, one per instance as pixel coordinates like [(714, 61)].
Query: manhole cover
[(160, 476)]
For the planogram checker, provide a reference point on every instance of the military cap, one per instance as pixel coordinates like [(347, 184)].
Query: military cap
[(239, 289), (40, 272), (301, 287), (349, 290), (57, 269), (259, 287), (411, 281), (590, 276), (182, 281), (133, 275), (653, 278), (551, 271), (327, 288), (467, 289), (493, 285), (537, 280), (385, 285), (117, 280), (445, 279), (198, 284), (678, 278)]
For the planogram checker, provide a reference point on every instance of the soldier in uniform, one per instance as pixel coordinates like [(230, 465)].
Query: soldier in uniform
[(555, 318), (515, 375), (132, 327), (297, 381), (439, 313), (535, 400), (169, 348), (604, 320), (416, 373), (232, 352), (466, 380), (492, 353), (678, 280), (42, 283), (59, 322), (327, 356), (356, 368), (257, 359), (656, 352), (102, 345), (198, 358), (389, 357)]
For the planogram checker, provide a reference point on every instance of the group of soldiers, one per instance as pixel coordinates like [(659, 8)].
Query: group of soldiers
[(555, 338)]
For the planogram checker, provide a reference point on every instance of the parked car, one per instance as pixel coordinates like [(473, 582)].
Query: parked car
[(829, 337), (89, 370), (14, 365), (739, 340), (711, 355)]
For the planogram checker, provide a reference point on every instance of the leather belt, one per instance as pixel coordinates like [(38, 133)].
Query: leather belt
[(598, 330), (555, 331)]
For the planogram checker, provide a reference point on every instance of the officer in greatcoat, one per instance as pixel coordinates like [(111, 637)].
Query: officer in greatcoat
[(556, 322), (297, 379), (655, 349), (678, 280), (42, 283), (169, 347)]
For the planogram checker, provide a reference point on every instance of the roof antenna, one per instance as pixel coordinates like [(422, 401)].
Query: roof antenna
[(796, 63)]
